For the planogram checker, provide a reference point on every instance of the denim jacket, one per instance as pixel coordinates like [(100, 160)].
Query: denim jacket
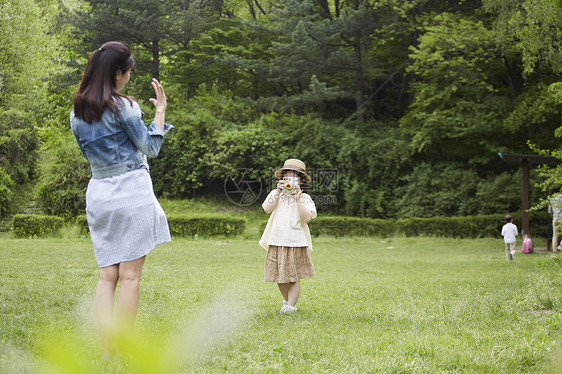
[(118, 143)]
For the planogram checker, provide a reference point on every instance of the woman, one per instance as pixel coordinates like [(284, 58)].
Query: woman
[(125, 220)]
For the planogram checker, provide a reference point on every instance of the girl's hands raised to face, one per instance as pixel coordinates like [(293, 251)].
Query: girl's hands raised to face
[(281, 184), (299, 191)]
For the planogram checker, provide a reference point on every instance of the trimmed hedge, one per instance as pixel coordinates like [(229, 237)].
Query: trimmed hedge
[(189, 226), (456, 227), (204, 226), (35, 225), (351, 226)]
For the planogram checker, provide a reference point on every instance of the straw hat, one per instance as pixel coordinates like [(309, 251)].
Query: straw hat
[(293, 164)]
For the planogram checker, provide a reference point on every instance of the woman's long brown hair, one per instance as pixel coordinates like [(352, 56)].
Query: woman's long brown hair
[(97, 89)]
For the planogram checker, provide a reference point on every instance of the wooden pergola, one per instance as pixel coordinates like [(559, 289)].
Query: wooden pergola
[(526, 162)]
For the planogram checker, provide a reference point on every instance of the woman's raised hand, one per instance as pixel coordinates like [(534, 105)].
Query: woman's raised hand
[(160, 102)]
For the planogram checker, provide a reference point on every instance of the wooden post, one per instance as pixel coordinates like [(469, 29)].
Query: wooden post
[(526, 161), (525, 212)]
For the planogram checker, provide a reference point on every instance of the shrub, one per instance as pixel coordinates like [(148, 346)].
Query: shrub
[(205, 225), (351, 226), (65, 176), (82, 223), (6, 194), (35, 225), (208, 149), (18, 144)]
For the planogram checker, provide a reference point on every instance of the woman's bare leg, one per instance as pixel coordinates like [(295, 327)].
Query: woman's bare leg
[(104, 302), (129, 293)]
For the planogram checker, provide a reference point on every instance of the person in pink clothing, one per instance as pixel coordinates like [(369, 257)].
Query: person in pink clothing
[(286, 236)]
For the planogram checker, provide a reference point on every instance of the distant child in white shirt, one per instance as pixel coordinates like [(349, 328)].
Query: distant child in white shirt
[(509, 232), (286, 236)]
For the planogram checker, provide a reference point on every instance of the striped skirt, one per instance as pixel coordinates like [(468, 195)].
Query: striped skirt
[(125, 220)]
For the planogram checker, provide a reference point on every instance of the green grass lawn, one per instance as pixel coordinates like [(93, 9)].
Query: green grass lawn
[(401, 305)]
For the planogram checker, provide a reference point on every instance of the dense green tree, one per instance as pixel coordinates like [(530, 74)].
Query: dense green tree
[(530, 29), (534, 117), (139, 23), (62, 188), (458, 101), (403, 98), (26, 50), (25, 63), (533, 27), (18, 145), (156, 31), (373, 160), (210, 145), (316, 44), (207, 61), (448, 189)]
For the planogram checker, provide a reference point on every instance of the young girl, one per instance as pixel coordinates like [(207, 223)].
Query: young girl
[(125, 220), (286, 236)]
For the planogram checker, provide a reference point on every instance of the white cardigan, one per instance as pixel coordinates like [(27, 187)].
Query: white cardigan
[(284, 227)]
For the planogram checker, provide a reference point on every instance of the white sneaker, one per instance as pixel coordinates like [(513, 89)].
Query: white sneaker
[(288, 309)]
